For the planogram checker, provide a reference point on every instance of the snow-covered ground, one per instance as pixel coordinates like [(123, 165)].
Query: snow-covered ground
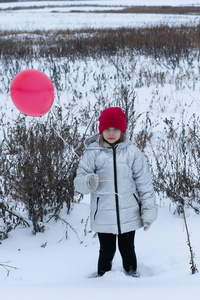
[(63, 267), (60, 17), (105, 3), (50, 266)]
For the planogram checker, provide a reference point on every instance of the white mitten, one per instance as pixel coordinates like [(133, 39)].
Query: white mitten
[(146, 226), (93, 181)]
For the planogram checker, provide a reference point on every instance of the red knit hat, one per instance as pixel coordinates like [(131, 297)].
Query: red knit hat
[(112, 117)]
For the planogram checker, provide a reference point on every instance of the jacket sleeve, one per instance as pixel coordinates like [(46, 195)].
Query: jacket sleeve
[(145, 189), (85, 169)]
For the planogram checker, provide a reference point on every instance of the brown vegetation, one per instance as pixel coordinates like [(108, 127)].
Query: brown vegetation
[(172, 10), (160, 41)]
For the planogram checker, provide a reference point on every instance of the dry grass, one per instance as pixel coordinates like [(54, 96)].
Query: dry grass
[(178, 10), (160, 41)]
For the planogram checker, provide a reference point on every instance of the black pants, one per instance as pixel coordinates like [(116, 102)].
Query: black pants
[(108, 248)]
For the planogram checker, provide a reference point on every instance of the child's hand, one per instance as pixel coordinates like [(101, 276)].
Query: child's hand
[(94, 181), (146, 226)]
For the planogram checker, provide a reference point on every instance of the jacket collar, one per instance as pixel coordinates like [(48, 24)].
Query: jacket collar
[(93, 143)]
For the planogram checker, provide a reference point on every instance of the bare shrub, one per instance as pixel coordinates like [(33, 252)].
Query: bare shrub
[(177, 176), (177, 159), (40, 169)]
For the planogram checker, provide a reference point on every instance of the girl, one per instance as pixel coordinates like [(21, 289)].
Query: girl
[(116, 174)]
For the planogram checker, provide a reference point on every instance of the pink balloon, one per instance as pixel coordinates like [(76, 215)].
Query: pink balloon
[(32, 92)]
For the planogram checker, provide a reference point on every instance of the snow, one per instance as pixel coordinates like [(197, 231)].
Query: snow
[(59, 17), (32, 20), (49, 266), (63, 267), (104, 3)]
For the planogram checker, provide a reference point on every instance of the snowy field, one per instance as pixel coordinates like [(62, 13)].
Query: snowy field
[(49, 266), (63, 267), (57, 15)]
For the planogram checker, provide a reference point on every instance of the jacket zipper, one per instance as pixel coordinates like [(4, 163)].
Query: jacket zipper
[(96, 208), (116, 190)]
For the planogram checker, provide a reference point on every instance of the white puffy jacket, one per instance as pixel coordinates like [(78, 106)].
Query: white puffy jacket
[(124, 199)]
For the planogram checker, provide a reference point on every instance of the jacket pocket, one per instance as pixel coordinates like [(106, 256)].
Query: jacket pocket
[(139, 203), (96, 208)]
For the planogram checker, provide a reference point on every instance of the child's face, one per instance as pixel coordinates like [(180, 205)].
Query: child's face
[(111, 135)]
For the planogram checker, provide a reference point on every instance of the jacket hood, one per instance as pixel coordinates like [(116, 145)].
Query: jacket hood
[(92, 141)]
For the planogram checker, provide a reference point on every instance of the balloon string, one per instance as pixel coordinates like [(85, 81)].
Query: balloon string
[(109, 193), (67, 144), (71, 149), (81, 159)]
